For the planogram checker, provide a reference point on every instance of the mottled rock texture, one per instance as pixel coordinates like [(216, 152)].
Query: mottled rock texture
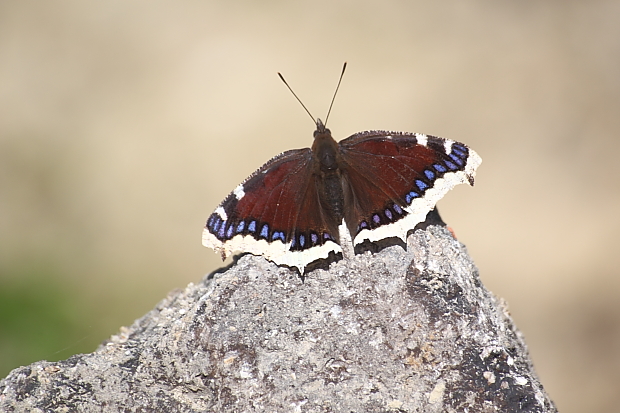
[(402, 331)]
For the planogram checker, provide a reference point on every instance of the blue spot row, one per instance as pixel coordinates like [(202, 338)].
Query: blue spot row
[(305, 241), (376, 220), (460, 150), (217, 226), (240, 227), (458, 154), (391, 214), (456, 159), (451, 166), (421, 184), (314, 238), (214, 222), (411, 196), (223, 230)]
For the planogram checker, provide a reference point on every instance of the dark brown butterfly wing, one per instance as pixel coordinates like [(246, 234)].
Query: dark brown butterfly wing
[(395, 178), (275, 212)]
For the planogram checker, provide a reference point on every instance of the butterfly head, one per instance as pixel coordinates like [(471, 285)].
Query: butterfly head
[(321, 129), (325, 148)]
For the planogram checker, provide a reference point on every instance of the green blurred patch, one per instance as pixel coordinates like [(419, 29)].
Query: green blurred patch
[(41, 318)]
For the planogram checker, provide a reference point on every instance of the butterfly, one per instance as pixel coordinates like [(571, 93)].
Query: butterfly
[(305, 204)]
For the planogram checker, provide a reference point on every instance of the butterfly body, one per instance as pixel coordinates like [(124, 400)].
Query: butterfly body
[(304, 204), (328, 177)]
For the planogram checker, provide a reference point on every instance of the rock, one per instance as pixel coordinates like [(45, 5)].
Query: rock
[(406, 331)]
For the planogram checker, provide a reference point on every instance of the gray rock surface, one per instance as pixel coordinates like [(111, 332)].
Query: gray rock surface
[(406, 331)]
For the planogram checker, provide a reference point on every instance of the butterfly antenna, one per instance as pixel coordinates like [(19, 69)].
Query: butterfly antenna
[(296, 97), (344, 67)]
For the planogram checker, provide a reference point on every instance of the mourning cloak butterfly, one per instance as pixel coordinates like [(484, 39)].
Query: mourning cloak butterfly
[(304, 204)]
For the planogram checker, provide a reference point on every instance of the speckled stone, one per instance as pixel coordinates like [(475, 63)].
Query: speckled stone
[(406, 331)]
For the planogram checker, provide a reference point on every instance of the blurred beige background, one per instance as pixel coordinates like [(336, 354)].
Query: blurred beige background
[(123, 125)]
